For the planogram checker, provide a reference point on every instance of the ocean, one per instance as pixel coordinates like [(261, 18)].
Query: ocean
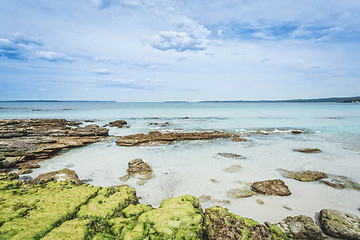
[(187, 167)]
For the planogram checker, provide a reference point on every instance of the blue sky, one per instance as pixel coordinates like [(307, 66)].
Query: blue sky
[(157, 50)]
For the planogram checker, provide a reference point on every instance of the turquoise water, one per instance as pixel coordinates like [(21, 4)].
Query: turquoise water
[(187, 167)]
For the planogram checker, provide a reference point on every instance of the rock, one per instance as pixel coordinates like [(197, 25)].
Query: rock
[(308, 150), (214, 180), (300, 227), (303, 176), (345, 181), (219, 224), (140, 183), (239, 139), (233, 168), (155, 124), (139, 169), (230, 155), (287, 208), (118, 123), (240, 192), (24, 171), (271, 187), (221, 202), (296, 131), (333, 185), (259, 201), (204, 198), (339, 224), (39, 139), (60, 175), (156, 137)]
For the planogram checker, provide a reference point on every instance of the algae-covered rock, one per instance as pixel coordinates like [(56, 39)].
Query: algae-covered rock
[(73, 229), (271, 187), (345, 181), (303, 176), (108, 202), (219, 224), (300, 227), (30, 210), (340, 224), (176, 218)]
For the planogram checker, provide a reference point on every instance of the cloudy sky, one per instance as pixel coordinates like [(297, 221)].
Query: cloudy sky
[(157, 50)]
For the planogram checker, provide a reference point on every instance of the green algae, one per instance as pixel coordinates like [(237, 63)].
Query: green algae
[(74, 229), (108, 202), (176, 218)]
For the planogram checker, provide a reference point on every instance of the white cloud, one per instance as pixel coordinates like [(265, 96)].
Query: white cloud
[(191, 36), (103, 71), (53, 56)]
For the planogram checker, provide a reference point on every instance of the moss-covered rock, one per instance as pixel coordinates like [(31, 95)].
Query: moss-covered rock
[(30, 210), (74, 229), (108, 202), (176, 218), (222, 225), (340, 224)]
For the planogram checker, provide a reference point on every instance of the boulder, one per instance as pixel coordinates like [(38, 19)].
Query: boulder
[(300, 227), (303, 176), (308, 150), (139, 169), (219, 224), (60, 175), (271, 187), (340, 224)]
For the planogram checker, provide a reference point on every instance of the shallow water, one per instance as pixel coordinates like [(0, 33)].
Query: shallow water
[(187, 167)]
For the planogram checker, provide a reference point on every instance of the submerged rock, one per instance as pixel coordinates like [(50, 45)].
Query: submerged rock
[(219, 224), (271, 187), (156, 137), (308, 150), (61, 175), (344, 181), (233, 168), (300, 227), (240, 192), (204, 198), (333, 185), (340, 224), (303, 176), (230, 155)]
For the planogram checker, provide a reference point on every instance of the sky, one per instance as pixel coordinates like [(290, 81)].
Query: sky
[(190, 50)]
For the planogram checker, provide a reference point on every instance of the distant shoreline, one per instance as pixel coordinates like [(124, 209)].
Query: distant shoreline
[(315, 100)]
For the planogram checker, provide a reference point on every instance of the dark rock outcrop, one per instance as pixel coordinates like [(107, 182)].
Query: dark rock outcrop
[(156, 137), (271, 187), (339, 224)]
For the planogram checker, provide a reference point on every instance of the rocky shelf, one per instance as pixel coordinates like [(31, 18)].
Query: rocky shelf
[(47, 208), (25, 142)]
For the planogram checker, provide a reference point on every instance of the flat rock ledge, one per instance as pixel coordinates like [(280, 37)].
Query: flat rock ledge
[(156, 137), (308, 150), (25, 142), (271, 187), (339, 224), (303, 176)]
